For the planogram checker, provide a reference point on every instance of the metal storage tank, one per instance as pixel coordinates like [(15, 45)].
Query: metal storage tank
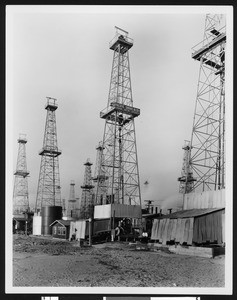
[(49, 215), (37, 224)]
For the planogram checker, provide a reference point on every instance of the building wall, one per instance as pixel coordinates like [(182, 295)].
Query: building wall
[(59, 231), (78, 229), (201, 229), (208, 228), (117, 210), (208, 199)]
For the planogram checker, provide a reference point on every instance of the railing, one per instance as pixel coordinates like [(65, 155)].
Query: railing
[(208, 41), (114, 106), (120, 37), (106, 111), (50, 149), (22, 138), (21, 172), (51, 102)]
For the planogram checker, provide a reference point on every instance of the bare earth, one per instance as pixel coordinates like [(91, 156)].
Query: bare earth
[(51, 262)]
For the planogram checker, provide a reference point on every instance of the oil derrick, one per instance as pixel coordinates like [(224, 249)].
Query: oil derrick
[(64, 207), (49, 193), (119, 165), (207, 159), (20, 193), (71, 211), (99, 177), (87, 193), (186, 180)]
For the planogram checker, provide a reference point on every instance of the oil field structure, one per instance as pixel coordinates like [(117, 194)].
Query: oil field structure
[(21, 209), (48, 205), (111, 199), (73, 205), (117, 191), (110, 206), (202, 180)]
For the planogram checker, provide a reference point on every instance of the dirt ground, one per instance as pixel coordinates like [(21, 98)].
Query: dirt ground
[(51, 262)]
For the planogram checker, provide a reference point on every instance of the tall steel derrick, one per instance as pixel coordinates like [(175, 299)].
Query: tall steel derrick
[(49, 193), (71, 210), (118, 176), (186, 180), (207, 159), (99, 175), (86, 210), (20, 193)]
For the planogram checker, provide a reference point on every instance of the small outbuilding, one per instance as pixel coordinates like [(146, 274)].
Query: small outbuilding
[(194, 226), (19, 224), (61, 229)]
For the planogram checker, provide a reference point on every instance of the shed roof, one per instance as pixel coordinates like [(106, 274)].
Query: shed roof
[(189, 213), (151, 216), (19, 219), (62, 222)]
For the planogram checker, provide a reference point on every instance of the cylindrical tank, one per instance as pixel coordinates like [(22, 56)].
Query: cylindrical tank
[(49, 215), (37, 224)]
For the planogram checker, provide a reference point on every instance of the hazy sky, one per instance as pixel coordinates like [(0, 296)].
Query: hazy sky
[(63, 52)]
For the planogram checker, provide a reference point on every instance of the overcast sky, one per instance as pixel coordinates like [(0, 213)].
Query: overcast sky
[(63, 52)]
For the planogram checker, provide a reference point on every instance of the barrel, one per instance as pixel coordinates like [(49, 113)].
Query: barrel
[(49, 215)]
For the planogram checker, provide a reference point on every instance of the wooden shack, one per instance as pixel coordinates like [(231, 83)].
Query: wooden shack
[(61, 229), (190, 227)]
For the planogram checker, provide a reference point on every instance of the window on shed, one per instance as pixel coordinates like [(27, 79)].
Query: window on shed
[(61, 230)]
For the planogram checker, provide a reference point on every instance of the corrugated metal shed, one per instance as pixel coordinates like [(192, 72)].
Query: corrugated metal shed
[(190, 226), (191, 213)]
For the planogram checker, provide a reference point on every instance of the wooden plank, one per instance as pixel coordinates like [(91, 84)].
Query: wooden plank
[(193, 251), (190, 232), (154, 231), (158, 228), (186, 230), (164, 236), (182, 227), (223, 226), (170, 227), (173, 233), (177, 238), (161, 224)]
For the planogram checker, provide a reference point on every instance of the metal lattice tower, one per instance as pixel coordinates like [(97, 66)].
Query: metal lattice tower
[(207, 160), (119, 166), (20, 193), (186, 180), (72, 200), (49, 193), (64, 207), (99, 177), (87, 201)]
